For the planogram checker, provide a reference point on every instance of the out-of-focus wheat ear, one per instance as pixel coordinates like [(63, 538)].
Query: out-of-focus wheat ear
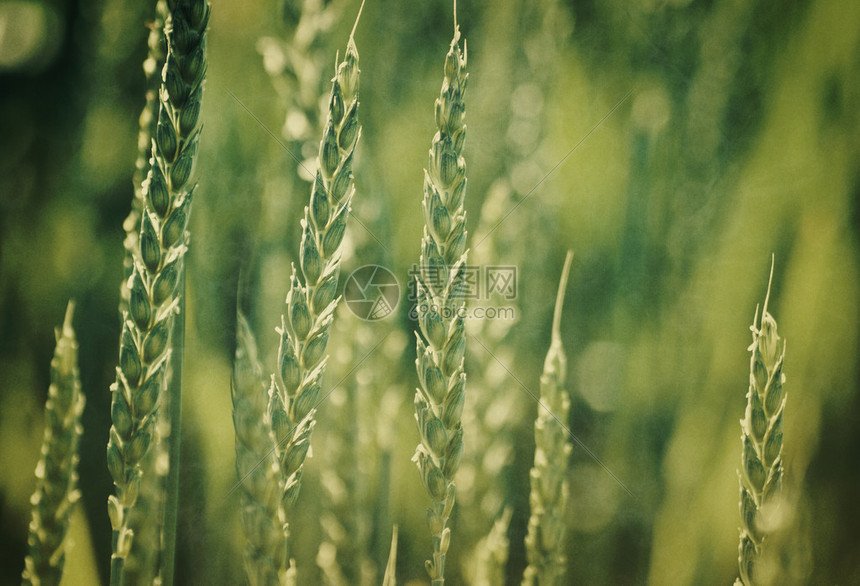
[(761, 470), (156, 287), (549, 486), (312, 299), (441, 336), (490, 558), (390, 577), (256, 466), (147, 124), (56, 491)]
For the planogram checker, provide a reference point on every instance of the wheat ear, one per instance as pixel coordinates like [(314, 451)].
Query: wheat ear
[(490, 556), (142, 565), (256, 466), (761, 458), (549, 487), (57, 471), (441, 343), (312, 299), (154, 299)]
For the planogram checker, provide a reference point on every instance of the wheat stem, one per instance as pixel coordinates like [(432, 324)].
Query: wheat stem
[(312, 299), (549, 487), (56, 491), (441, 339), (154, 299), (761, 457)]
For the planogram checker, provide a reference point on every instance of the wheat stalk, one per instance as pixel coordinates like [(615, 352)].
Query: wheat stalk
[(312, 299), (441, 343), (761, 458), (56, 491), (256, 466), (154, 298), (549, 487)]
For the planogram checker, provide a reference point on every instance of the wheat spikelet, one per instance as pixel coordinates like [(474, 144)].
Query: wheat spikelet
[(311, 301), (549, 487), (57, 471), (761, 457), (256, 466), (154, 298), (441, 343)]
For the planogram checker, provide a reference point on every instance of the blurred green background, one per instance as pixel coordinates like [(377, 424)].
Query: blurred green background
[(673, 145)]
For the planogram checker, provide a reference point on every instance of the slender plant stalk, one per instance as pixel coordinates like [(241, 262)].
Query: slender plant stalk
[(154, 299), (256, 466), (390, 577), (56, 491), (312, 299), (549, 487), (761, 458), (441, 343)]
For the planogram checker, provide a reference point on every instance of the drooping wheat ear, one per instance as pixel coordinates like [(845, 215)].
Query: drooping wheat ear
[(761, 458), (549, 487), (312, 299), (148, 119), (154, 300), (441, 343), (256, 465), (57, 471)]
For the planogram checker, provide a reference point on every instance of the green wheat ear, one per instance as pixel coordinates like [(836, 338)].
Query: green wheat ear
[(761, 457), (256, 466), (295, 388), (549, 486), (57, 471), (441, 343), (155, 285)]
